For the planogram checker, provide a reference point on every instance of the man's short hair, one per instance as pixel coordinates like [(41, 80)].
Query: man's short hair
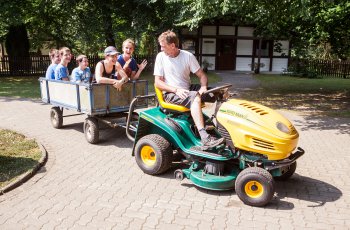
[(169, 37)]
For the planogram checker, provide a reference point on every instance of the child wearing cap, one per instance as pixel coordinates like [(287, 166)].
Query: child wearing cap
[(106, 69), (61, 71), (55, 59), (81, 73), (131, 68)]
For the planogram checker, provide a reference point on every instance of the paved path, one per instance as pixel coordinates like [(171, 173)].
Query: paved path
[(86, 186)]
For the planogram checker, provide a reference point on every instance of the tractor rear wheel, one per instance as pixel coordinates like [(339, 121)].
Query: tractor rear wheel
[(255, 186), (288, 172), (153, 154)]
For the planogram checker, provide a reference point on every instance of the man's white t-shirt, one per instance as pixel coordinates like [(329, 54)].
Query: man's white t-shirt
[(176, 71)]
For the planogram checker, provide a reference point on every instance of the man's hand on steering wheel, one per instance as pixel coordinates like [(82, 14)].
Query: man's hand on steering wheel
[(202, 90)]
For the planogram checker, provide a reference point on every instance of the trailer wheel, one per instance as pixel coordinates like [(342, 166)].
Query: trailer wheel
[(91, 130), (56, 117), (255, 186), (153, 154), (288, 172)]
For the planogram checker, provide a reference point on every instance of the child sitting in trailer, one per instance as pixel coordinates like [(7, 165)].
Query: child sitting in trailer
[(81, 73), (131, 68), (55, 59), (61, 71)]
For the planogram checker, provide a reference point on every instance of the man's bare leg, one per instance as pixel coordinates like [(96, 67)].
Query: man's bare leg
[(196, 113)]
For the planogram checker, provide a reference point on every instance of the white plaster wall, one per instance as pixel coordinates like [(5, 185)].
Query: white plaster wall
[(279, 64), (245, 31), (208, 46), (210, 60), (243, 63), (209, 30), (284, 47), (244, 47), (226, 30)]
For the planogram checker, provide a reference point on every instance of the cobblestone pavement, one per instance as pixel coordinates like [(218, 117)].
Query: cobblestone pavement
[(84, 186)]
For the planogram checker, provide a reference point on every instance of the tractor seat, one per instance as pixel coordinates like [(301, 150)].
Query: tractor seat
[(168, 107)]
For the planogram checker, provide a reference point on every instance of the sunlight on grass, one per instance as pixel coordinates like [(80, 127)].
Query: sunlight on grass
[(18, 154), (329, 96), (23, 87)]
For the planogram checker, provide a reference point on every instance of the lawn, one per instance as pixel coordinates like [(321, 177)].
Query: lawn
[(22, 87), (17, 155), (328, 96)]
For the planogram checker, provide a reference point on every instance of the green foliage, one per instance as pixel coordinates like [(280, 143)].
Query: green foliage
[(318, 28), (307, 23)]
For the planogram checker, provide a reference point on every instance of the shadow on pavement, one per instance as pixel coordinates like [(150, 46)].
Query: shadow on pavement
[(303, 188), (342, 125)]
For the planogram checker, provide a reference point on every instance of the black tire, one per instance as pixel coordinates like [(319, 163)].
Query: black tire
[(179, 175), (153, 154), (288, 173), (91, 130), (255, 186), (56, 117)]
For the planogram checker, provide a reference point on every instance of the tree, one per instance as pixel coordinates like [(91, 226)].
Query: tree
[(305, 22)]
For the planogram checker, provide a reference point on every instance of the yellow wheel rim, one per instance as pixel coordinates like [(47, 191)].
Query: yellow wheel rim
[(254, 189), (148, 155)]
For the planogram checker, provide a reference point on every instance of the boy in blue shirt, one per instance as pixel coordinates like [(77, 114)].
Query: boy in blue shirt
[(61, 71), (55, 59), (81, 73)]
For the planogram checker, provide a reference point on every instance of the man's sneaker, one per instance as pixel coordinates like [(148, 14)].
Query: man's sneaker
[(211, 142)]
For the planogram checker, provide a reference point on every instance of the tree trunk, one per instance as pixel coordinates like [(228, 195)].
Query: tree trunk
[(17, 48)]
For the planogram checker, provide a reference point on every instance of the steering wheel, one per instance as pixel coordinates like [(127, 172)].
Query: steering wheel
[(217, 89)]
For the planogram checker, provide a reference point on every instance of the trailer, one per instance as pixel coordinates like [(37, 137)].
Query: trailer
[(101, 103)]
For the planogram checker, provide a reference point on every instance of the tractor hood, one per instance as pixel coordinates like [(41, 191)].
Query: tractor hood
[(254, 127)]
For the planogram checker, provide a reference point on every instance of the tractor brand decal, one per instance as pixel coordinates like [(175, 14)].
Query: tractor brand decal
[(233, 113)]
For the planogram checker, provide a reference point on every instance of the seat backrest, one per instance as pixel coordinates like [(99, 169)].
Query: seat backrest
[(168, 106)]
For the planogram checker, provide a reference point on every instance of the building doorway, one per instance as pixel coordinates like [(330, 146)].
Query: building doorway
[(225, 54)]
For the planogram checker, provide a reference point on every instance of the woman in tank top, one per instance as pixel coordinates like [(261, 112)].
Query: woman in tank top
[(105, 70)]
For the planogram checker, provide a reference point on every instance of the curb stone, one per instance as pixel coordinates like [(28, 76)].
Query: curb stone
[(26, 176)]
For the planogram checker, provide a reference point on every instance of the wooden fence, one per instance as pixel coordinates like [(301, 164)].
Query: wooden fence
[(37, 65), (320, 68)]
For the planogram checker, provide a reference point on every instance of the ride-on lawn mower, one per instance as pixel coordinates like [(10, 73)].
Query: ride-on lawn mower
[(258, 147)]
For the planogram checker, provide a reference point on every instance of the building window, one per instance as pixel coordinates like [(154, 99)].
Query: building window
[(189, 45), (265, 48)]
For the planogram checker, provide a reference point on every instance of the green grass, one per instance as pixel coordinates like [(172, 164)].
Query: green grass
[(330, 96), (22, 87), (277, 83), (17, 155)]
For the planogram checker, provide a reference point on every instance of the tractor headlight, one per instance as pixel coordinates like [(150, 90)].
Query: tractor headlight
[(282, 127)]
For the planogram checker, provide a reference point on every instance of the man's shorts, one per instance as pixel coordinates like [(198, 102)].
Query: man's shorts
[(187, 102)]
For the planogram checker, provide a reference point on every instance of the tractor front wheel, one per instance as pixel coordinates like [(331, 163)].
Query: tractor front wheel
[(153, 154), (255, 186)]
